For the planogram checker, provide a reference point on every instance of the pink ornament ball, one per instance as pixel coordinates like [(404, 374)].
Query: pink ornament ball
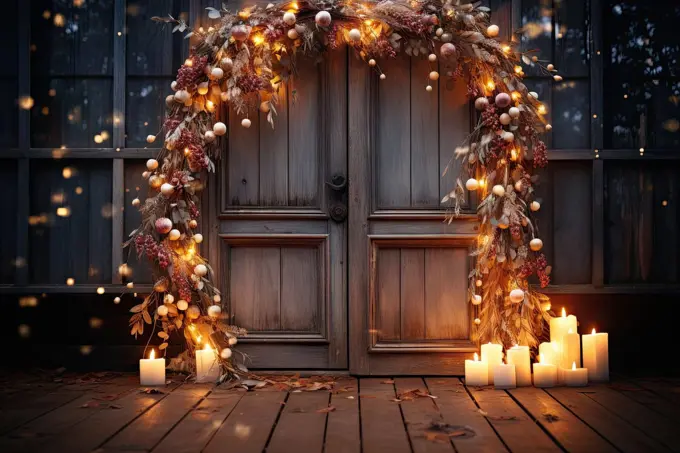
[(448, 50), (163, 225), (503, 100)]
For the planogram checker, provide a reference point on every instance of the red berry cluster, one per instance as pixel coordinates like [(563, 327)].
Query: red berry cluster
[(186, 139), (472, 89), (154, 250), (179, 178), (196, 158), (274, 31), (163, 257), (250, 83), (381, 47), (188, 76), (516, 231), (540, 154), (538, 265), (498, 146), (171, 123), (182, 284), (490, 119), (332, 37), (193, 210)]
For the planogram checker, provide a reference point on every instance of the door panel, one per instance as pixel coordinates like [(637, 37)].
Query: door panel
[(409, 269), (282, 257)]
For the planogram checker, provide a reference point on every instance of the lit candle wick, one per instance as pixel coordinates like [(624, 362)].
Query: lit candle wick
[(476, 357), (573, 365), (564, 313), (152, 355), (593, 330)]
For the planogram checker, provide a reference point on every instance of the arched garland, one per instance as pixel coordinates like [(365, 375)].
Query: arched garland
[(244, 59)]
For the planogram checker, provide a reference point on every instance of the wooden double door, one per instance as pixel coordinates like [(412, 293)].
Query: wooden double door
[(331, 242)]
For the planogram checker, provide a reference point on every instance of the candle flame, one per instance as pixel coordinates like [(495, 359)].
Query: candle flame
[(573, 365), (593, 330), (207, 347), (476, 357), (564, 313), (516, 345), (152, 355)]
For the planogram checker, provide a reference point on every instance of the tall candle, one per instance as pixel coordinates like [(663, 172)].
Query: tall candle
[(549, 352), (207, 366), (504, 376), (596, 356), (521, 358), (545, 374), (575, 377), (570, 349), (152, 370), (492, 354), (476, 372), (559, 326)]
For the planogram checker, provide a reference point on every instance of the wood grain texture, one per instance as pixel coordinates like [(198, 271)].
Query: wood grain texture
[(306, 409), (274, 155), (388, 311), (382, 427), (343, 431), (454, 126), (653, 401), (458, 409), (446, 305), (243, 161), (412, 294), (301, 292)]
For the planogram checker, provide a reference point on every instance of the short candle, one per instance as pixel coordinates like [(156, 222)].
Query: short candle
[(152, 370), (492, 354), (596, 356), (207, 366), (575, 377), (504, 376), (545, 374), (476, 372), (520, 356)]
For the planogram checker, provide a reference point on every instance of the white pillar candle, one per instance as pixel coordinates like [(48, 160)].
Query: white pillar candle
[(596, 356), (504, 376), (575, 377), (152, 370), (545, 374), (559, 326), (492, 354), (207, 366), (549, 352), (570, 349), (476, 372), (520, 356)]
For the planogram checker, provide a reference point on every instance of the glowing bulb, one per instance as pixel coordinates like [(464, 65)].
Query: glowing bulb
[(506, 49), (294, 5), (513, 154), (188, 62), (152, 355), (518, 69), (476, 357), (258, 40), (573, 365), (541, 109), (564, 313), (515, 95), (101, 290), (490, 85)]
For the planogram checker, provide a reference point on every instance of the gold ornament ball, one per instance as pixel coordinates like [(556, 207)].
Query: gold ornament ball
[(432, 57), (472, 184), (201, 270), (167, 189), (136, 202), (372, 62), (293, 34), (478, 283), (516, 295), (289, 18), (150, 138), (216, 73), (535, 206), (493, 31), (498, 190), (203, 88), (152, 164), (219, 128), (198, 238), (536, 244), (182, 305), (245, 122), (193, 224), (513, 112), (162, 310), (434, 75), (518, 186), (209, 136), (355, 35), (214, 311), (217, 298), (383, 76), (193, 312), (478, 321), (505, 119), (174, 234), (225, 353), (548, 127), (476, 299), (428, 88), (264, 107), (481, 103)]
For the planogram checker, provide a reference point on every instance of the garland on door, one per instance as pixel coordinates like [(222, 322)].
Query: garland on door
[(243, 61)]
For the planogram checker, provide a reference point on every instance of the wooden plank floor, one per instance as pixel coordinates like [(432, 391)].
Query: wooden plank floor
[(342, 415)]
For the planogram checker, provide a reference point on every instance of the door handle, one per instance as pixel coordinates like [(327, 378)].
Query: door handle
[(338, 183)]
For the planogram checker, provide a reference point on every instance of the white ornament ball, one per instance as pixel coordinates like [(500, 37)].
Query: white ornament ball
[(323, 18), (182, 96), (439, 32), (169, 298), (219, 128), (289, 18), (498, 190), (201, 270), (136, 202), (432, 57), (173, 85), (199, 286), (434, 75), (198, 238), (472, 184), (245, 122), (481, 103), (174, 234), (478, 283), (232, 341), (548, 127), (209, 136), (535, 206), (182, 304), (536, 244), (203, 88), (513, 112), (355, 35), (216, 73), (162, 310), (214, 311), (150, 138), (372, 62), (152, 164), (476, 299), (516, 295), (293, 34), (428, 88), (193, 312), (505, 119), (448, 50), (193, 223), (550, 67), (518, 186), (383, 76), (146, 174), (493, 31), (477, 321), (508, 136), (226, 63), (116, 300), (533, 94), (447, 37), (167, 189), (240, 32), (225, 353)]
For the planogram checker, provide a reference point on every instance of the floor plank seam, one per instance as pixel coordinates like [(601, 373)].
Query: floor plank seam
[(538, 422), (427, 387), (584, 422), (325, 428), (361, 424), (403, 419), (167, 433), (645, 404), (224, 420), (276, 422), (467, 390)]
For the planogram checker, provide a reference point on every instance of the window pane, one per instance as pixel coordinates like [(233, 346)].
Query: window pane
[(72, 40), (8, 45), (72, 113), (642, 93), (571, 49), (145, 109), (537, 23), (571, 114), (8, 230), (9, 113)]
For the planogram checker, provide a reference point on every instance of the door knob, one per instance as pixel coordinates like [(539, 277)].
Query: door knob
[(337, 183)]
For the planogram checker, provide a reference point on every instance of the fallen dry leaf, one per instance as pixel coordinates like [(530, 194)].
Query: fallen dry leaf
[(152, 391), (414, 393), (350, 397), (326, 409), (438, 431), (549, 416)]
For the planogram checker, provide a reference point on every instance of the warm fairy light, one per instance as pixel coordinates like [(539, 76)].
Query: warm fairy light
[(258, 40), (294, 5), (476, 357), (564, 313), (152, 355), (244, 14), (70, 281), (26, 102), (188, 62), (101, 290), (516, 95), (542, 110), (506, 49), (64, 211), (490, 85), (368, 22), (573, 365), (513, 154), (518, 69), (186, 151), (209, 106), (593, 330), (482, 183)]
